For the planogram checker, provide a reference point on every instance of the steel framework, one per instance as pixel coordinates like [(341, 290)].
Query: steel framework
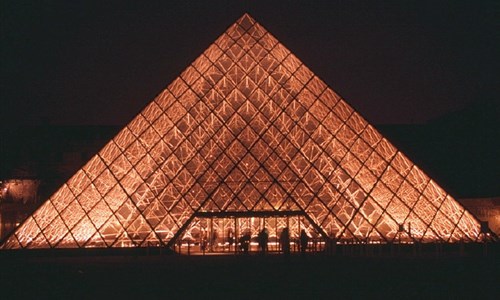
[(247, 127)]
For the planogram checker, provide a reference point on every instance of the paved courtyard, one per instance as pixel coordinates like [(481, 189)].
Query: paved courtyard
[(248, 276)]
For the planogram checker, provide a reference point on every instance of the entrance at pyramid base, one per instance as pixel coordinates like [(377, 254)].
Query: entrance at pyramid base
[(227, 232)]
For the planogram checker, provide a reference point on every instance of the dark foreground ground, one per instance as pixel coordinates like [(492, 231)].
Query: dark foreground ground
[(249, 277)]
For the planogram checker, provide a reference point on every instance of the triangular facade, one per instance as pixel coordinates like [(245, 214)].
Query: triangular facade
[(246, 129)]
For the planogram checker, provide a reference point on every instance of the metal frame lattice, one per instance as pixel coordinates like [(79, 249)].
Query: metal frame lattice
[(246, 127)]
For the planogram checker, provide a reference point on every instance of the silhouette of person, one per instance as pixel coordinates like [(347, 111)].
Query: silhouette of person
[(263, 238), (213, 242), (203, 241), (285, 241), (304, 240), (245, 242), (230, 238)]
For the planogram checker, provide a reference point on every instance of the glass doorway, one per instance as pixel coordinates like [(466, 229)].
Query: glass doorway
[(212, 233)]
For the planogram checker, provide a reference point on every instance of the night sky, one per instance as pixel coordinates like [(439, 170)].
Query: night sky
[(84, 62)]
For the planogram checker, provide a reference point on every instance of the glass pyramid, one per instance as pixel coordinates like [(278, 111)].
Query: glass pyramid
[(246, 128)]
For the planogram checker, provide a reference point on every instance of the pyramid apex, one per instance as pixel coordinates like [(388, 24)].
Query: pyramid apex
[(246, 15), (246, 21)]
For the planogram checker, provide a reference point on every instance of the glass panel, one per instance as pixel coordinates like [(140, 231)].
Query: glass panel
[(138, 125), (83, 231), (72, 214), (99, 214)]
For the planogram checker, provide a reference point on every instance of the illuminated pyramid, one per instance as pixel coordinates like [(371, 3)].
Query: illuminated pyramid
[(246, 132)]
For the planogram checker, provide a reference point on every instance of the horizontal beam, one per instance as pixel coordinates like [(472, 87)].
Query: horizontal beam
[(249, 214)]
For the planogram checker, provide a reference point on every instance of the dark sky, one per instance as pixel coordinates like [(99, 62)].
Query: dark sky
[(84, 62)]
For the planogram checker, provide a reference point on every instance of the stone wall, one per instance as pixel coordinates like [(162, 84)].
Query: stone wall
[(485, 209)]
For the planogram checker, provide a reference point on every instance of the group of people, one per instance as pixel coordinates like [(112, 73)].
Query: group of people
[(204, 242), (262, 238), (284, 240)]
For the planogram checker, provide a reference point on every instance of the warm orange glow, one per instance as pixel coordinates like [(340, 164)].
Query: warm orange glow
[(246, 127)]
